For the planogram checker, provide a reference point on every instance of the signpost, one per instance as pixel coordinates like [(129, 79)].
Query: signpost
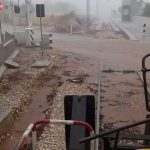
[(40, 12)]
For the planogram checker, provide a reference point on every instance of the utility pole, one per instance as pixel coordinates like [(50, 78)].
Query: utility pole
[(88, 13), (28, 3), (97, 11)]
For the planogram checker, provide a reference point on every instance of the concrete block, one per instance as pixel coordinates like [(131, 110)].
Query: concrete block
[(42, 64), (11, 64), (20, 38)]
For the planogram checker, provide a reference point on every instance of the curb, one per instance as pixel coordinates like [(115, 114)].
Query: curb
[(6, 121), (7, 117), (12, 56)]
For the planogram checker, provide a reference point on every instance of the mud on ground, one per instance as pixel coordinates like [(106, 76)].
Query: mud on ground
[(122, 99), (37, 87)]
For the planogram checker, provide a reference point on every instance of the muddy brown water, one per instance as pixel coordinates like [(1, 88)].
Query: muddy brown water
[(34, 112), (39, 104), (122, 99)]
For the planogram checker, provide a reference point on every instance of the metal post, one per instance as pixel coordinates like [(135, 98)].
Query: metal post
[(1, 34), (28, 20), (19, 12), (41, 35), (14, 22), (71, 29), (97, 8), (88, 13), (28, 12), (98, 112)]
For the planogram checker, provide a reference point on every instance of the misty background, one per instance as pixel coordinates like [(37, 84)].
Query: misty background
[(105, 7)]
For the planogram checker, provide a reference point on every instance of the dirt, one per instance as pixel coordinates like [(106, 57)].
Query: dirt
[(121, 92), (45, 84)]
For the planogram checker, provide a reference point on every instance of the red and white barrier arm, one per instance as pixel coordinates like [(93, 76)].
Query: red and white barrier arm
[(53, 121), (63, 122), (23, 139)]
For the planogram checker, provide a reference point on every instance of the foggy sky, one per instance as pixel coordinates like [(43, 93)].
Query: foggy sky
[(105, 6)]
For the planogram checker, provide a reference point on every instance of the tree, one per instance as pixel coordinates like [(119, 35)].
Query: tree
[(146, 11)]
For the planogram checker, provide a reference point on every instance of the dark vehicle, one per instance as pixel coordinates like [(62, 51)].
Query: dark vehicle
[(126, 13)]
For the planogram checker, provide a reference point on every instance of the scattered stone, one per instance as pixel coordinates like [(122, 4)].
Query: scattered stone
[(42, 64), (11, 64), (53, 136), (3, 137)]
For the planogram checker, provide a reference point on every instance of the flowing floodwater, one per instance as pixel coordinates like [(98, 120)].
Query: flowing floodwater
[(34, 112)]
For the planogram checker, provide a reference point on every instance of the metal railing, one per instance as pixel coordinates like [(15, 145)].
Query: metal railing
[(145, 70), (117, 131)]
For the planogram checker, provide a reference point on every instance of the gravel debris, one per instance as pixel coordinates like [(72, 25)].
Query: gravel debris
[(53, 136)]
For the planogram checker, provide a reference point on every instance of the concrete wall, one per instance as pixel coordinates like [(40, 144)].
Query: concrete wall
[(6, 50)]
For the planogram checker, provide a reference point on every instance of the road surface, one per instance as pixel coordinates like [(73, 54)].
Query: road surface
[(118, 54), (135, 27), (115, 54)]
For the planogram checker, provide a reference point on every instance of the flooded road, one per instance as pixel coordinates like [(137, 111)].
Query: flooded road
[(33, 113), (122, 100), (76, 56), (67, 67), (116, 54)]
